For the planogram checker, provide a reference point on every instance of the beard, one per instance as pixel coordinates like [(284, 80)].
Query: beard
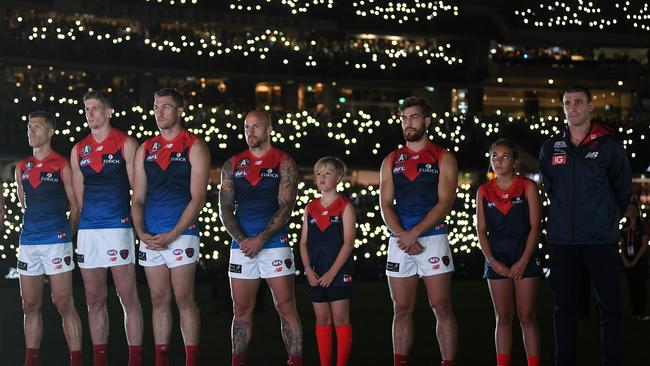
[(415, 135), (255, 142)]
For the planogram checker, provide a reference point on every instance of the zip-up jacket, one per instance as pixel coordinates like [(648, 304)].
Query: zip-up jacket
[(589, 187)]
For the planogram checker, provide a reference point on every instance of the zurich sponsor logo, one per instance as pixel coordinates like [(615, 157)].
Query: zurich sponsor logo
[(110, 159), (269, 173), (49, 177), (428, 168), (178, 157), (335, 219), (517, 201)]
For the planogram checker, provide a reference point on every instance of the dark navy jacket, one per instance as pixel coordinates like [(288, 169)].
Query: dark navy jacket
[(589, 187)]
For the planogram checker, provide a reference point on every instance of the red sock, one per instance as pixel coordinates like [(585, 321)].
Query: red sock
[(324, 340), (503, 359), (400, 360), (135, 355), (343, 344), (100, 355), (75, 358), (238, 360), (295, 360), (447, 363), (161, 355), (191, 355), (32, 356), (533, 360)]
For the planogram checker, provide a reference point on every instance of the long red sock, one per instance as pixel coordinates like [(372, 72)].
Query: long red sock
[(191, 355), (295, 360), (343, 344), (503, 359), (400, 360), (238, 360), (135, 355), (100, 355), (76, 358), (533, 360), (447, 363), (324, 340), (162, 355), (32, 356)]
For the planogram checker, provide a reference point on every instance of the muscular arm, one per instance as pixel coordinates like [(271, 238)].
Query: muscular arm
[(130, 147), (387, 196), (19, 185), (286, 199), (77, 178), (481, 227), (139, 186), (73, 219), (227, 203)]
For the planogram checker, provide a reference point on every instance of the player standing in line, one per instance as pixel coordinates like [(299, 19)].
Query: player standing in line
[(508, 226), (169, 191), (421, 179), (326, 243), (102, 171), (261, 183), (45, 194)]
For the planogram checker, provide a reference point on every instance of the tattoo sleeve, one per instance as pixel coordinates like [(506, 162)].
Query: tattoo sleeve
[(227, 204), (286, 199), (239, 337), (292, 338)]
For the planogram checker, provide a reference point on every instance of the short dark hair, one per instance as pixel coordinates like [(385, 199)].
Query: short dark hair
[(170, 92), (507, 143), (100, 95), (575, 88), (47, 116), (416, 102)]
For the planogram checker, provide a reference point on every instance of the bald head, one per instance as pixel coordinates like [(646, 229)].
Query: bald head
[(257, 128)]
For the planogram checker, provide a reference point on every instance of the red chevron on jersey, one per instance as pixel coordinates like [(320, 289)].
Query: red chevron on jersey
[(322, 216), (36, 171), (97, 154), (413, 163), (504, 200), (253, 169), (163, 152)]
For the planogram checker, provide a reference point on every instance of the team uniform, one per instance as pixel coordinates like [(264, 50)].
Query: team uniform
[(168, 169), (415, 181), (324, 242), (105, 237), (508, 224), (257, 183), (45, 239)]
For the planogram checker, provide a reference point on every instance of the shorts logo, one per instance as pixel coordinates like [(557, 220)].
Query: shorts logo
[(22, 265), (234, 268), (189, 252), (347, 278), (177, 252), (392, 267), (288, 262), (142, 256), (125, 219), (124, 253), (434, 260), (244, 163), (278, 269), (80, 258), (56, 261), (155, 147), (87, 149), (67, 259), (276, 263), (241, 173), (85, 161), (445, 260), (559, 159), (112, 252), (61, 235)]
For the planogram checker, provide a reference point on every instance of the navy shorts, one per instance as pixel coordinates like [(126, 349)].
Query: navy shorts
[(533, 269), (328, 294)]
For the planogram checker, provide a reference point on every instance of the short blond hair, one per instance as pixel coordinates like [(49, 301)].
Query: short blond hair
[(338, 164)]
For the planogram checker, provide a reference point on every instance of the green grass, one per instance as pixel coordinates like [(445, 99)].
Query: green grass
[(371, 314)]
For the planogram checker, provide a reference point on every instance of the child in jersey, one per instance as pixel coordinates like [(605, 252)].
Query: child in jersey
[(508, 225), (326, 242)]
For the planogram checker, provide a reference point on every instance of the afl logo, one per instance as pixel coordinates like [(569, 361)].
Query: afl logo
[(56, 260), (399, 168), (112, 252), (241, 173), (84, 162), (434, 260), (155, 147), (177, 251), (87, 149), (277, 263)]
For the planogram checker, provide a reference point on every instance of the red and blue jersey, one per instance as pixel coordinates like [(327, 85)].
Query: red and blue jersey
[(168, 168), (257, 182), (506, 217), (44, 220), (325, 237), (106, 182), (415, 181)]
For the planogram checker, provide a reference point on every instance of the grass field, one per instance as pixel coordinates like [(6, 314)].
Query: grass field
[(371, 314)]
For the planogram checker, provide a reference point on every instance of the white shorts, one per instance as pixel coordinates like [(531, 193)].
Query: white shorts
[(103, 248), (268, 263), (434, 260), (49, 259), (183, 250)]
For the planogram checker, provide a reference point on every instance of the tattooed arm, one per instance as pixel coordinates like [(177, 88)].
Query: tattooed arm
[(286, 200), (227, 203)]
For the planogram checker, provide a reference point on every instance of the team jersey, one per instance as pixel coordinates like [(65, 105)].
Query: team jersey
[(168, 168), (257, 181), (506, 217), (325, 237), (415, 181), (106, 184), (45, 220)]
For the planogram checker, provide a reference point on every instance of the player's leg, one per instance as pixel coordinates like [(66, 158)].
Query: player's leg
[(95, 290), (341, 320), (439, 294), (402, 292), (31, 292), (324, 331), (127, 290), (526, 295), (61, 288), (244, 294), (285, 304), (160, 290), (501, 291), (183, 284)]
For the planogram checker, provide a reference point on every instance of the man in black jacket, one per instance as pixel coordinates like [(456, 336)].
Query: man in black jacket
[(587, 177)]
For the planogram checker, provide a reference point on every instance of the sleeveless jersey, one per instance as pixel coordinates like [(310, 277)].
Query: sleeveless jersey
[(415, 181), (106, 183), (507, 218), (257, 181), (325, 237), (168, 168), (45, 220)]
